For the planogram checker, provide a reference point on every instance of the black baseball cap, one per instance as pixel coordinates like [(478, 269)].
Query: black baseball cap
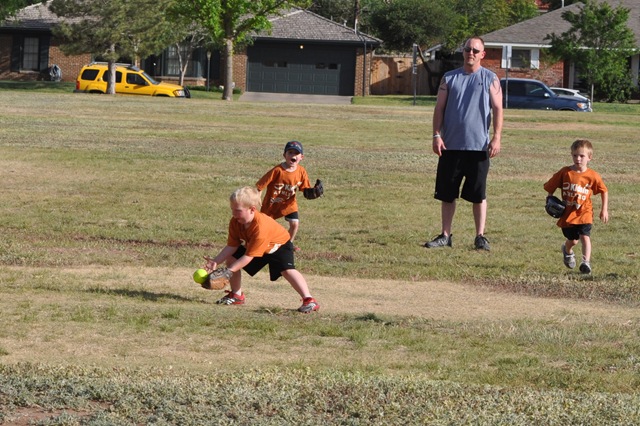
[(293, 145)]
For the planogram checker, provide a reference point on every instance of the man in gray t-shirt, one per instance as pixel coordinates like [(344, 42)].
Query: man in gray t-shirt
[(467, 97)]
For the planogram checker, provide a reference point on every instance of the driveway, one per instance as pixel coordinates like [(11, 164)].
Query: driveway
[(294, 98)]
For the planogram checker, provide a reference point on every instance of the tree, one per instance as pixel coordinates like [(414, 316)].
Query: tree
[(340, 11), (232, 23), (599, 42), (402, 23), (194, 38), (10, 7), (479, 17), (113, 29)]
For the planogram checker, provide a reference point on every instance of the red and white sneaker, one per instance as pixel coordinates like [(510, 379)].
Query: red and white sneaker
[(309, 304), (231, 299)]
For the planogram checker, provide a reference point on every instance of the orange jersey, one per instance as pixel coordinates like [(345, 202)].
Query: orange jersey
[(577, 189), (280, 197), (263, 235)]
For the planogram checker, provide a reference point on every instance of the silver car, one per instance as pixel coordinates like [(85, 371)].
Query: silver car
[(568, 92)]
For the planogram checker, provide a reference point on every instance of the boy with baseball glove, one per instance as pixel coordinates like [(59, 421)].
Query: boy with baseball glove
[(254, 241), (577, 183), (282, 182)]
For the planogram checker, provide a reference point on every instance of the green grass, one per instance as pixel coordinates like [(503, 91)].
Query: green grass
[(95, 188)]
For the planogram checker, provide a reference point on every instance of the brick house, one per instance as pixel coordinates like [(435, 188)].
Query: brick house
[(517, 49), (303, 53)]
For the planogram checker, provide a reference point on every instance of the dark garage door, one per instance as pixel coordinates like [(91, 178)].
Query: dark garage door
[(309, 69)]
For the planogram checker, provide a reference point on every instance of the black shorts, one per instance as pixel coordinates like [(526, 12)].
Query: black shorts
[(453, 167), (278, 261), (573, 232), (292, 217)]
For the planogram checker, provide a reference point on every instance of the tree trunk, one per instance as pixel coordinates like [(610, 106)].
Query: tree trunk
[(181, 64), (111, 66), (228, 75)]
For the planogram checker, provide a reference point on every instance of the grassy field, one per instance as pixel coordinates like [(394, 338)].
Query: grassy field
[(109, 203)]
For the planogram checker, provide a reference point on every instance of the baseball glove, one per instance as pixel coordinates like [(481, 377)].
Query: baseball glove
[(218, 279), (316, 192), (554, 206)]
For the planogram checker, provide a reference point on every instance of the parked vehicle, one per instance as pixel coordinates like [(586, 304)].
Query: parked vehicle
[(129, 80), (568, 92), (533, 94)]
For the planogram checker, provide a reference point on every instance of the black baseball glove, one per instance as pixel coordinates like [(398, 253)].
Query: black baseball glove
[(554, 206), (316, 192)]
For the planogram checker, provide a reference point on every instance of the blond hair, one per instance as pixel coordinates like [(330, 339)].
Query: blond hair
[(584, 144), (247, 196)]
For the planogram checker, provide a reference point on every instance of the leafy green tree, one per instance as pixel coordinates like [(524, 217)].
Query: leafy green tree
[(599, 42), (232, 23), (402, 23), (113, 29), (9, 7), (521, 10), (477, 17), (340, 11)]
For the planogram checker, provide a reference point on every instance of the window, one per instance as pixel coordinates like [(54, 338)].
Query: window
[(118, 76), (135, 79), (535, 90), (194, 61), (30, 54), (173, 61), (520, 57), (274, 64), (89, 74)]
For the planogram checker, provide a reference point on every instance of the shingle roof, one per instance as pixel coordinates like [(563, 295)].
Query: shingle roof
[(298, 24), (532, 32), (293, 24), (34, 17)]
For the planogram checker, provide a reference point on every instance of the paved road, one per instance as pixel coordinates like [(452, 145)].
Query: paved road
[(294, 98)]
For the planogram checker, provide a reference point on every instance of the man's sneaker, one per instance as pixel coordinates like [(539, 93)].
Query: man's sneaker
[(439, 241), (585, 267), (231, 299), (569, 258), (309, 304), (481, 243)]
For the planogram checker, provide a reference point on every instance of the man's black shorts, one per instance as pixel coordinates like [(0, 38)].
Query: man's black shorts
[(278, 261), (453, 167)]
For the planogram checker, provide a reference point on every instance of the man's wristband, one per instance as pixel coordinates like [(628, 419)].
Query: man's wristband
[(436, 135)]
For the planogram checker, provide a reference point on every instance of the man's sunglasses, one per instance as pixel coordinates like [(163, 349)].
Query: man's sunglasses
[(469, 49)]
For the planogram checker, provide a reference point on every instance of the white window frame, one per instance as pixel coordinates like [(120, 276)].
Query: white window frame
[(507, 54)]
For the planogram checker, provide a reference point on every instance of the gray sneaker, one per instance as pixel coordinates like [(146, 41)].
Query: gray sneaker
[(569, 258), (481, 243), (585, 267), (439, 241)]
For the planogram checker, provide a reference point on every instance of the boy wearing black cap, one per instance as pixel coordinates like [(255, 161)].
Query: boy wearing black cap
[(281, 183)]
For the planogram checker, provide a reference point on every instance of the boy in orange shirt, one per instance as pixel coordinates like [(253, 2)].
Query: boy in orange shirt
[(254, 241), (578, 183), (281, 183)]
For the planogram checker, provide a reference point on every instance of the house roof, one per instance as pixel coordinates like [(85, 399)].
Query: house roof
[(34, 17), (293, 24), (532, 32), (302, 25)]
